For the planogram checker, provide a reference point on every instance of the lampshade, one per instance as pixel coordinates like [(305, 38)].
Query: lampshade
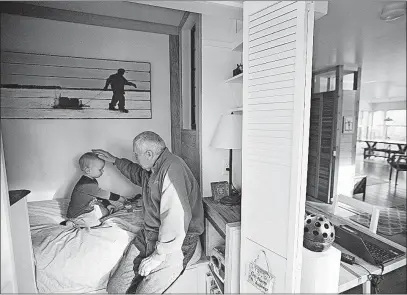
[(228, 133)]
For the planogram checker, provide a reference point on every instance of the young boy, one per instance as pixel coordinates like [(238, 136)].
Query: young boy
[(88, 202)]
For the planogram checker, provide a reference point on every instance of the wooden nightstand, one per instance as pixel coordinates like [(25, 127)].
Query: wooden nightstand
[(222, 227)]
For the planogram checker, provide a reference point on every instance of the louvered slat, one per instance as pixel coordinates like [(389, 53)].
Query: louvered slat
[(274, 125)]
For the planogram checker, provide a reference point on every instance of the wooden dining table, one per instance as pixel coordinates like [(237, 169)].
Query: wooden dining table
[(369, 151)]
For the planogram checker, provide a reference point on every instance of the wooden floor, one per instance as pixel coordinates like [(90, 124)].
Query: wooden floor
[(380, 191)]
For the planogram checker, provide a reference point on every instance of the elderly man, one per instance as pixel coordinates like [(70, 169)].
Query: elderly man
[(173, 217)]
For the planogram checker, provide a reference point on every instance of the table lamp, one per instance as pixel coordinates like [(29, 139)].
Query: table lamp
[(228, 135)]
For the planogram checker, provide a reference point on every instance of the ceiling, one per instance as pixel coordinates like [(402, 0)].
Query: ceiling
[(352, 33)]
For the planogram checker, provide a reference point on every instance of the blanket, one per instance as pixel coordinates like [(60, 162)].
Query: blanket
[(77, 260)]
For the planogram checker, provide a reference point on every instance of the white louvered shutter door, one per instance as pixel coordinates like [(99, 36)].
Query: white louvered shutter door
[(277, 56)]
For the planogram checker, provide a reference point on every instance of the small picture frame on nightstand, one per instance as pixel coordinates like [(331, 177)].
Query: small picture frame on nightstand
[(219, 190)]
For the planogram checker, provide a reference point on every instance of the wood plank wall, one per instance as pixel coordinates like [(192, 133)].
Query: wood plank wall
[(30, 82)]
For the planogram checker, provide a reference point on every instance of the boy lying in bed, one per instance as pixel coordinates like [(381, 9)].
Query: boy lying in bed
[(89, 203)]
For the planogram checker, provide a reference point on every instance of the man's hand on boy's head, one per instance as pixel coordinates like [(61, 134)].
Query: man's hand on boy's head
[(104, 155)]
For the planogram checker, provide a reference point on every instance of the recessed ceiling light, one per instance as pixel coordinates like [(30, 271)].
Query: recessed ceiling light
[(392, 11)]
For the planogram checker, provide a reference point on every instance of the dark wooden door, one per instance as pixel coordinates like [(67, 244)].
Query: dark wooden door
[(186, 136), (322, 138)]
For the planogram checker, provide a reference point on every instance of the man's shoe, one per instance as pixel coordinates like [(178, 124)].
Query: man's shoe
[(112, 108), (123, 110)]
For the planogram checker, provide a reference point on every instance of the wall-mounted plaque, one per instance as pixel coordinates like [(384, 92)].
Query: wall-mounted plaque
[(260, 278)]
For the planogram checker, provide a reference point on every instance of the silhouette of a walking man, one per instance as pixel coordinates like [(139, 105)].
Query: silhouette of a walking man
[(117, 82)]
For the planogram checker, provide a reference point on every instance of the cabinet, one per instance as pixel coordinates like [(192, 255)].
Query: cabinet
[(22, 245), (17, 263), (222, 228), (8, 267), (192, 280)]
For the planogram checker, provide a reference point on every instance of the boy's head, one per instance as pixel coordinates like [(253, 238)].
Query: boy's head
[(91, 165)]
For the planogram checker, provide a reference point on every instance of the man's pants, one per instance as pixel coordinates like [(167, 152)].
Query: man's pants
[(126, 279), (117, 97)]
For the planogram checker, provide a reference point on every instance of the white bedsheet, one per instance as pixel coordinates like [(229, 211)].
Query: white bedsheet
[(76, 260)]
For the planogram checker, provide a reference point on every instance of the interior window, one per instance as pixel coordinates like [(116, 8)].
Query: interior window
[(377, 131), (363, 125), (395, 123)]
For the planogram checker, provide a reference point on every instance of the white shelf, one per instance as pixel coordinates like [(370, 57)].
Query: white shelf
[(235, 79), (236, 109)]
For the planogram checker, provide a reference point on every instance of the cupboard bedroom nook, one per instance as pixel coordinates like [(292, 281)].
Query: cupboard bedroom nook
[(207, 147)]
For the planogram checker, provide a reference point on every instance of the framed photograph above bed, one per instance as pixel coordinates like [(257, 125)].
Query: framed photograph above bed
[(44, 86)]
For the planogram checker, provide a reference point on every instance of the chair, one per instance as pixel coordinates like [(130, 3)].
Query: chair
[(398, 162), (360, 186)]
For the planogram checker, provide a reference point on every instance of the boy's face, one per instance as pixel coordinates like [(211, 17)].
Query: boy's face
[(95, 168)]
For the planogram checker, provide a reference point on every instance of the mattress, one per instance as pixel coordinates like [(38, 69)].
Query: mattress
[(72, 260)]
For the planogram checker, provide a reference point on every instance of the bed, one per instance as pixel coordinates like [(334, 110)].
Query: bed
[(71, 260)]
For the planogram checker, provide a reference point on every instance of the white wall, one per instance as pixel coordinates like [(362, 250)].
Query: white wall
[(364, 106), (218, 62), (42, 155)]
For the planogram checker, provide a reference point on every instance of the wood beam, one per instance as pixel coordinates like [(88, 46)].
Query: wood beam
[(183, 20), (175, 95), (24, 9)]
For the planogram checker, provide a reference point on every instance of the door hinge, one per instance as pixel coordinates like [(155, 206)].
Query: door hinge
[(308, 6)]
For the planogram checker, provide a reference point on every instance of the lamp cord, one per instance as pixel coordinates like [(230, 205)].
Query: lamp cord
[(375, 280)]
